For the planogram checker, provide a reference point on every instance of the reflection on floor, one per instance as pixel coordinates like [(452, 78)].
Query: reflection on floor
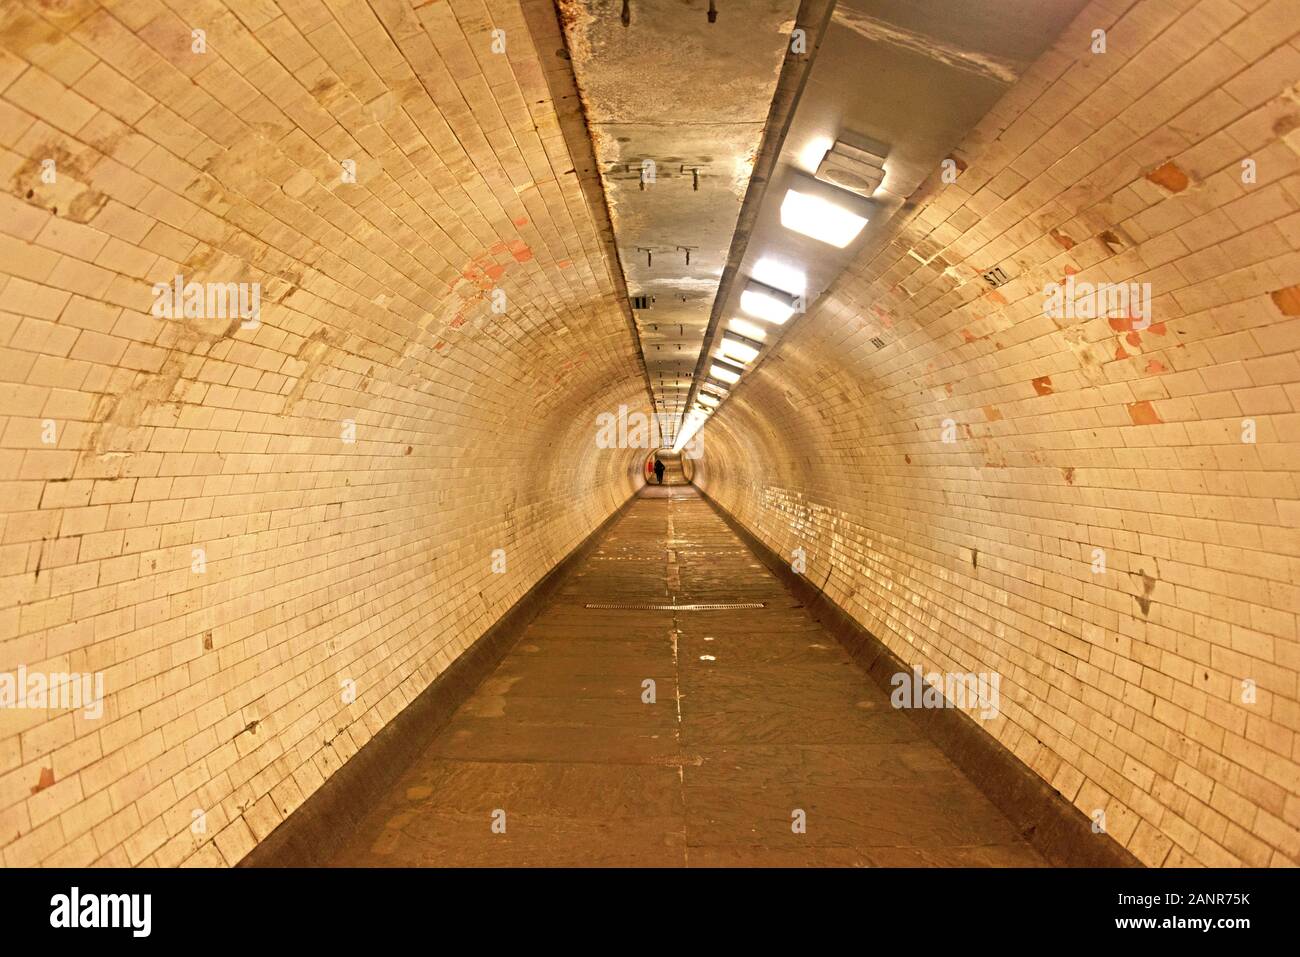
[(757, 714)]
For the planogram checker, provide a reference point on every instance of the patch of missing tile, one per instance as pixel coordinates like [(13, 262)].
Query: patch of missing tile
[(1148, 586), (1144, 413), (1287, 300), (46, 780), (1112, 240), (1170, 177)]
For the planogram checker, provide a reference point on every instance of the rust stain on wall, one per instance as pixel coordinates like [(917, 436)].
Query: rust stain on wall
[(1169, 177), (1144, 413)]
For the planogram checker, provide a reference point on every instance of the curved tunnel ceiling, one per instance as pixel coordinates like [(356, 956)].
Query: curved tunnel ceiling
[(676, 112)]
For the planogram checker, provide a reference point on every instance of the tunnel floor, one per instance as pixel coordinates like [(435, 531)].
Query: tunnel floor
[(758, 713)]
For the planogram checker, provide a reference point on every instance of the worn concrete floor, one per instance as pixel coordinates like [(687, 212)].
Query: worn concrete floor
[(757, 713)]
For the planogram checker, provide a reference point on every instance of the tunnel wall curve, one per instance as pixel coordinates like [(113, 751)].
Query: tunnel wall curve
[(268, 538), (1101, 512)]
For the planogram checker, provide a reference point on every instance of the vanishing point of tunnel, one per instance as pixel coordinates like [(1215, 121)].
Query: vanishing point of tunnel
[(650, 433)]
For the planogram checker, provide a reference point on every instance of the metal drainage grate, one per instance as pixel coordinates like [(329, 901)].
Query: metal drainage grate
[(651, 606)]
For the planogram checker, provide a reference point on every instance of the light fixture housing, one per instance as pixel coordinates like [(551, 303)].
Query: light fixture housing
[(854, 163), (823, 212), (739, 348), (736, 352), (769, 303)]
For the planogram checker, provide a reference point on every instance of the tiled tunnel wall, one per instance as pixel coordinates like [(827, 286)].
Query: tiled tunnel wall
[(131, 440), (1124, 688)]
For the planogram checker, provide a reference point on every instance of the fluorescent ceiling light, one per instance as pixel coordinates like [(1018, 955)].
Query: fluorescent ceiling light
[(737, 351), (812, 153), (779, 275), (764, 302), (690, 426), (739, 347), (812, 214), (724, 373), (750, 330)]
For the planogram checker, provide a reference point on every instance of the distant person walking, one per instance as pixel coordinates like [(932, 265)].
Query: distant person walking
[(659, 470)]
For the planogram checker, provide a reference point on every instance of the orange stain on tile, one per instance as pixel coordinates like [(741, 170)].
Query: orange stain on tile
[(1065, 241), (1287, 300), (1143, 413), (1170, 177), (46, 780), (992, 413), (1042, 385), (519, 249), (1120, 353), (1133, 339), (1155, 367), (997, 297), (483, 270), (521, 221)]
